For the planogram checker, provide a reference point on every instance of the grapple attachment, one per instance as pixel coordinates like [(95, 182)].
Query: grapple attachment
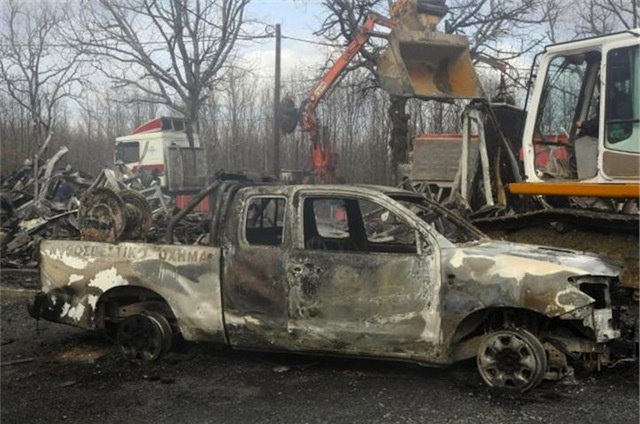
[(423, 62)]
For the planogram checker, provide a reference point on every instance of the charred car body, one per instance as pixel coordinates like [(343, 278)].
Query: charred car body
[(356, 270)]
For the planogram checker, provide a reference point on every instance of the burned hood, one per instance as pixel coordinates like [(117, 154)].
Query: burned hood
[(498, 274), (516, 258)]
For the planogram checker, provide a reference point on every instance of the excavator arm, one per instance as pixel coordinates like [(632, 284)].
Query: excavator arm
[(323, 159), (308, 118)]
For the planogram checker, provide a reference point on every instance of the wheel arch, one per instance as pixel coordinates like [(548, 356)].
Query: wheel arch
[(116, 304), (466, 338)]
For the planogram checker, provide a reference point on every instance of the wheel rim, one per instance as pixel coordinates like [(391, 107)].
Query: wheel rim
[(143, 337), (511, 360)]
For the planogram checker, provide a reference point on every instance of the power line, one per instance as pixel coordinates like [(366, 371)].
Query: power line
[(240, 37), (302, 40)]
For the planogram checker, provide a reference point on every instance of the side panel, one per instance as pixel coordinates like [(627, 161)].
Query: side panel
[(255, 298), (620, 165), (74, 274)]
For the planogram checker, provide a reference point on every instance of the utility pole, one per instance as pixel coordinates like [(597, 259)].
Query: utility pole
[(276, 109)]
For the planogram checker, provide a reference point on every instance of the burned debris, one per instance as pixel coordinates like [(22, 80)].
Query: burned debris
[(38, 202), (54, 202)]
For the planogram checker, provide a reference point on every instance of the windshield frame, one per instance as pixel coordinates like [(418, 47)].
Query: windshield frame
[(473, 233)]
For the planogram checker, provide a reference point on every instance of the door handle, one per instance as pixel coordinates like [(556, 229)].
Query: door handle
[(297, 270)]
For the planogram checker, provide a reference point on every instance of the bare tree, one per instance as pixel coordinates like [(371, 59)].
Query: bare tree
[(553, 10), (344, 19), (598, 17), (36, 69), (489, 23), (174, 51)]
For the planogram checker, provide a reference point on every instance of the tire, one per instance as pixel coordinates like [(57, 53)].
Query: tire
[(146, 336), (512, 360)]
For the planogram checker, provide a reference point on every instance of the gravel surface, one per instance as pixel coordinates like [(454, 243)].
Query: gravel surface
[(53, 373)]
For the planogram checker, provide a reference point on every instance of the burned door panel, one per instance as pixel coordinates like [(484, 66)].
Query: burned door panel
[(254, 288), (75, 275), (360, 285)]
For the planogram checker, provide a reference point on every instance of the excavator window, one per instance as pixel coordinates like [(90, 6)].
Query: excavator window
[(562, 94), (570, 96), (623, 100)]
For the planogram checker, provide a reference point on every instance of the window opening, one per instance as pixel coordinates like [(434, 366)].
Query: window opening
[(128, 152), (265, 221)]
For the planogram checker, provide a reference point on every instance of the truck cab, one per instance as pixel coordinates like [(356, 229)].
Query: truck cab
[(159, 152)]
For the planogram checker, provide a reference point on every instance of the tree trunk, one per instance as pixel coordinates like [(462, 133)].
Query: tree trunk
[(398, 145)]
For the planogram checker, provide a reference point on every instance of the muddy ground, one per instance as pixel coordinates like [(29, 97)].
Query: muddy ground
[(53, 373)]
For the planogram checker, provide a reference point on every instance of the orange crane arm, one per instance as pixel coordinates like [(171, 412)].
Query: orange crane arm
[(308, 118)]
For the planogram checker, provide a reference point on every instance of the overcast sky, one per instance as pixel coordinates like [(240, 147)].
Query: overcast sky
[(298, 19)]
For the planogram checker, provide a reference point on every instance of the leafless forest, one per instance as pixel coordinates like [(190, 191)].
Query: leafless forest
[(89, 71)]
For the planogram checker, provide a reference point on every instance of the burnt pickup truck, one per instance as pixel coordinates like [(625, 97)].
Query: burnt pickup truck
[(350, 270)]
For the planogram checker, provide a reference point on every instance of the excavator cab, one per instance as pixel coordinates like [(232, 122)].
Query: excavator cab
[(423, 62), (582, 135)]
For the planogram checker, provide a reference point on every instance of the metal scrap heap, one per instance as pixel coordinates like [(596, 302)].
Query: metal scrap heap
[(44, 202)]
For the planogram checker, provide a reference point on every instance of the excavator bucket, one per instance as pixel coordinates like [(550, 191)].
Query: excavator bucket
[(421, 61), (428, 65)]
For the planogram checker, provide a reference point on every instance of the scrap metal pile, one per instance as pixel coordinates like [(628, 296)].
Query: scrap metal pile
[(46, 202)]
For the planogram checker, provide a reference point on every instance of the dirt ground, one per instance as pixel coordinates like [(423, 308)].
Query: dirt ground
[(53, 373)]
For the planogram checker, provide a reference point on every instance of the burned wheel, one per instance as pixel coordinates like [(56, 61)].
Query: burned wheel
[(144, 336), (512, 359)]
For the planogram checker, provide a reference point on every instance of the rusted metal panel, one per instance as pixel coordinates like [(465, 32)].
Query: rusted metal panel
[(74, 276), (254, 289), (436, 158), (374, 304)]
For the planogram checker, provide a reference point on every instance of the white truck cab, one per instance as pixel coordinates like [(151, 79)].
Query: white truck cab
[(159, 151)]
